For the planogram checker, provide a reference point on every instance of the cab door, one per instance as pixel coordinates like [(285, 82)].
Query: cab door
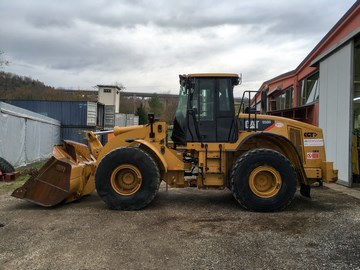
[(201, 113), (225, 114), (211, 110)]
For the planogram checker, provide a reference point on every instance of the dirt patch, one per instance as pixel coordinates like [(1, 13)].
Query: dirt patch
[(182, 229)]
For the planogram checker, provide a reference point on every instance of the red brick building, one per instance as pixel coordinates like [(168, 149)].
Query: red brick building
[(295, 94), (324, 90)]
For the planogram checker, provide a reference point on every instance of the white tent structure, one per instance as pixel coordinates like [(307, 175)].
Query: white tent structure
[(26, 136)]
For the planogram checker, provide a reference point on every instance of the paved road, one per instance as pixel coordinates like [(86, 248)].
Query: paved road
[(182, 229)]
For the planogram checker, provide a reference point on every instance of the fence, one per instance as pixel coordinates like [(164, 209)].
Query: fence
[(125, 120)]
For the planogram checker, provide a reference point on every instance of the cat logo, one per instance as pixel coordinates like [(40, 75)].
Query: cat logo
[(253, 124), (256, 124), (310, 134)]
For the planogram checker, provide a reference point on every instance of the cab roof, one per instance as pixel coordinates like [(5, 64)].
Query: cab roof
[(195, 75)]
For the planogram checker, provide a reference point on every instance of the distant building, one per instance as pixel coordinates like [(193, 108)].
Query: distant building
[(109, 95)]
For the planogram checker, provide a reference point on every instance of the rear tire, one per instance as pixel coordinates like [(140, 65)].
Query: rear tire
[(263, 180), (5, 166), (127, 179)]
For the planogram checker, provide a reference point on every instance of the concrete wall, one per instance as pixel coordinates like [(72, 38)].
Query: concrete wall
[(110, 95)]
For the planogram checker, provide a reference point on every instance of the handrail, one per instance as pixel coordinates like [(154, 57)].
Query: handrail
[(249, 107)]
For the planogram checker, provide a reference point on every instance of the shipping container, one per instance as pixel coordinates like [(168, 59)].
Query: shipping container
[(69, 113), (129, 120), (125, 120), (120, 120), (91, 114), (109, 116), (100, 115), (136, 120), (76, 134)]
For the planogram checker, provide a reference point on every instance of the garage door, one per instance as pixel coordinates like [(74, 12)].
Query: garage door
[(334, 109)]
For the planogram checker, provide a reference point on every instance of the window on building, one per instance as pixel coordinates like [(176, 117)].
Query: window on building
[(309, 89), (107, 90), (356, 89), (284, 101)]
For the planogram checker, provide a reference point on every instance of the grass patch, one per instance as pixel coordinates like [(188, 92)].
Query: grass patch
[(6, 187)]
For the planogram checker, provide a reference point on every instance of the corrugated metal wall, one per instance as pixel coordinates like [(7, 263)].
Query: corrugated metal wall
[(76, 134), (109, 116), (78, 116), (125, 120), (100, 115), (69, 113), (75, 116)]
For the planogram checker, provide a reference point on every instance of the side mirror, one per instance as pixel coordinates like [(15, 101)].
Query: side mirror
[(151, 118)]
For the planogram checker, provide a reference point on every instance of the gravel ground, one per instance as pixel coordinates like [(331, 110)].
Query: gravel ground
[(182, 229)]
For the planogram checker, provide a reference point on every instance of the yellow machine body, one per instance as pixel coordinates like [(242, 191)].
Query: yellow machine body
[(124, 169), (301, 143)]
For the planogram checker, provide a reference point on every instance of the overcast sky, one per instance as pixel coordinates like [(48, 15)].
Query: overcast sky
[(145, 45)]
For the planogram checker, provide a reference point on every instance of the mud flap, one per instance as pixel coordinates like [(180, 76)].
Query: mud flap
[(305, 190)]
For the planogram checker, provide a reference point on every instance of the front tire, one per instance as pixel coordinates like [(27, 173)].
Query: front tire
[(127, 179), (263, 180), (5, 166)]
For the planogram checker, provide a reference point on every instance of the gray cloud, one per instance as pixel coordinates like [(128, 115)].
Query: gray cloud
[(121, 39)]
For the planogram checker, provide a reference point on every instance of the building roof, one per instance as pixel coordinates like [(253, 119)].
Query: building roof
[(109, 86), (345, 27), (336, 47), (212, 75)]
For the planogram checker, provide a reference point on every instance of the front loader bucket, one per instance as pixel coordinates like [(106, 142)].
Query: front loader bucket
[(67, 176)]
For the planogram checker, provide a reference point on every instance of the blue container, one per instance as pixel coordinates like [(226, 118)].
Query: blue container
[(76, 134), (69, 113)]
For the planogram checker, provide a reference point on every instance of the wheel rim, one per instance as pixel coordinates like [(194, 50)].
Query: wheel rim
[(126, 179), (265, 181)]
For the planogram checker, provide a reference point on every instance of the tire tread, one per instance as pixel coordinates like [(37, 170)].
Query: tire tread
[(248, 155), (116, 201)]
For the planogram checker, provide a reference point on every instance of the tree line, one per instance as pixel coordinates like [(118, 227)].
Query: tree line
[(163, 108), (13, 86)]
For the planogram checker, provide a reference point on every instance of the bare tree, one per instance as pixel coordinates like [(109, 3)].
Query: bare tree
[(120, 85), (3, 61), (170, 109)]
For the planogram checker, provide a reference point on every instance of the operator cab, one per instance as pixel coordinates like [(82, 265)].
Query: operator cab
[(205, 112)]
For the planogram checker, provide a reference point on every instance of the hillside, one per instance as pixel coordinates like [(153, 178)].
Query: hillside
[(13, 86)]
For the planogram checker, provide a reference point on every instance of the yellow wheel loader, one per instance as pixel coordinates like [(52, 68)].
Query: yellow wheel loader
[(260, 158)]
